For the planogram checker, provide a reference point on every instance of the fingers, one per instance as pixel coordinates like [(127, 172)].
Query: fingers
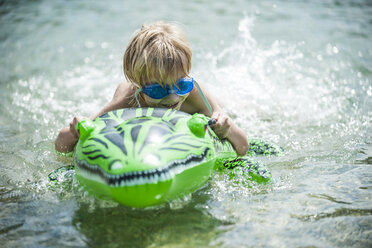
[(222, 125), (73, 124)]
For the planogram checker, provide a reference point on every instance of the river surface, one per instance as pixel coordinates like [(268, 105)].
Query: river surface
[(295, 73)]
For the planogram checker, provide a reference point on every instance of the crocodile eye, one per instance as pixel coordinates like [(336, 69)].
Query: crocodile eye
[(151, 159), (117, 166)]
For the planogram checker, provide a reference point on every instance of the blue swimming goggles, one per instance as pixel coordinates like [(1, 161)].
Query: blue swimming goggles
[(157, 91), (181, 87)]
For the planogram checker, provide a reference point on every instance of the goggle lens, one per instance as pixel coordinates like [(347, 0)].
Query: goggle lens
[(185, 85), (155, 91)]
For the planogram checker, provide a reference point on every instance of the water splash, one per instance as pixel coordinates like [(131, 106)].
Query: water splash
[(288, 93)]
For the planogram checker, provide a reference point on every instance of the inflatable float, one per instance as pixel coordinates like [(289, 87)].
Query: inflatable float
[(146, 156)]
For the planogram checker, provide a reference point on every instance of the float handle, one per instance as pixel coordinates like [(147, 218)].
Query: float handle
[(84, 127)]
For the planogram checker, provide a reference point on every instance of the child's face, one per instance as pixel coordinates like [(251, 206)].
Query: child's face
[(172, 100)]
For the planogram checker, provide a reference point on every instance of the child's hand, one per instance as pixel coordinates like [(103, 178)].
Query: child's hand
[(222, 126), (73, 124)]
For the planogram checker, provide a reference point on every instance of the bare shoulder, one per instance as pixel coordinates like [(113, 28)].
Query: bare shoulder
[(194, 104), (124, 90), (123, 98)]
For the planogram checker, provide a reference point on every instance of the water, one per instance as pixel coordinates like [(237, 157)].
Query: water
[(297, 73)]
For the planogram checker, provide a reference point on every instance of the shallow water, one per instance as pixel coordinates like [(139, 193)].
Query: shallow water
[(296, 73)]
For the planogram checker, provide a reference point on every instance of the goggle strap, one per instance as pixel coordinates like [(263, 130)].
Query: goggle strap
[(204, 98), (136, 95)]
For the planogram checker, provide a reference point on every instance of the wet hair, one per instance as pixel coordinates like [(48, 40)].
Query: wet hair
[(159, 52)]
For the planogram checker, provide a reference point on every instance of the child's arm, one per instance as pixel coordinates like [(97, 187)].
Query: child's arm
[(224, 127), (68, 136)]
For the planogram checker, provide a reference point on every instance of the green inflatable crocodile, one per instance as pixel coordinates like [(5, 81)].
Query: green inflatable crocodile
[(146, 156)]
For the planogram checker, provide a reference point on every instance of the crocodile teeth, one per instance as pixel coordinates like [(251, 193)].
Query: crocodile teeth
[(152, 176)]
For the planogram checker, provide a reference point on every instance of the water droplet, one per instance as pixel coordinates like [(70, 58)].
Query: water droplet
[(104, 45)]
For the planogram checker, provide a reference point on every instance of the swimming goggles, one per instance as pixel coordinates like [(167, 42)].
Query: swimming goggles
[(158, 91), (181, 87)]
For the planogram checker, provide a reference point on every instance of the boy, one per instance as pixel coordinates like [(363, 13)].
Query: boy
[(156, 64)]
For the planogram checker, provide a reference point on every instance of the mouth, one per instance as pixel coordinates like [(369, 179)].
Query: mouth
[(134, 178), (171, 106)]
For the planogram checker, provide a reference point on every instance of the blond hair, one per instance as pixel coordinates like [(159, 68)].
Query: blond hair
[(159, 52)]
